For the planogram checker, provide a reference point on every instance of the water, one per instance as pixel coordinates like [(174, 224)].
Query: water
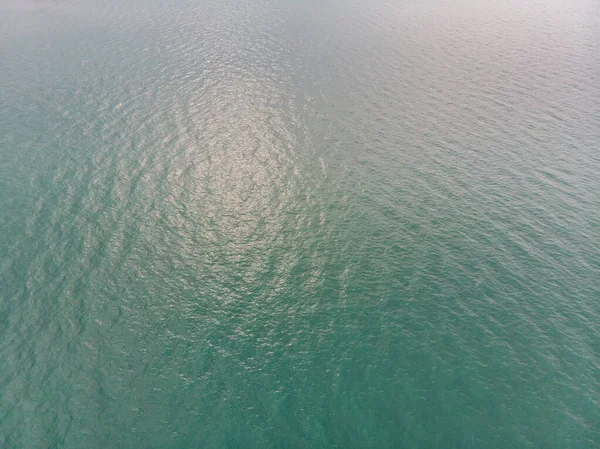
[(299, 224)]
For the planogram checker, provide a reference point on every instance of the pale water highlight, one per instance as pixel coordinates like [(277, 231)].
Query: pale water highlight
[(299, 224)]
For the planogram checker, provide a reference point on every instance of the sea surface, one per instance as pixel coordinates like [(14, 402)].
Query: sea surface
[(299, 224)]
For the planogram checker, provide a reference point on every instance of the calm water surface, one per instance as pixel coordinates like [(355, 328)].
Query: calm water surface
[(299, 224)]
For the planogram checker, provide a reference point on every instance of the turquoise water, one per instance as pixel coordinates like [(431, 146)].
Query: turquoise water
[(299, 224)]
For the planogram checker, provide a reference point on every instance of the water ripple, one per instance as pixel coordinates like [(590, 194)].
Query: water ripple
[(299, 224)]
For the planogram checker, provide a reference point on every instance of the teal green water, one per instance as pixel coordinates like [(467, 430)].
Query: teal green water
[(299, 224)]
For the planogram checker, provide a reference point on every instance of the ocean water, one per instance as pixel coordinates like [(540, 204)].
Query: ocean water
[(299, 224)]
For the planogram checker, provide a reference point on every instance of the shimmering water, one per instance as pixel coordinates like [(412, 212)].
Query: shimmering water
[(299, 224)]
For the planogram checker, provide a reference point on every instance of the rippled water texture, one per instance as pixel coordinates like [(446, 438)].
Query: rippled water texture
[(299, 224)]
